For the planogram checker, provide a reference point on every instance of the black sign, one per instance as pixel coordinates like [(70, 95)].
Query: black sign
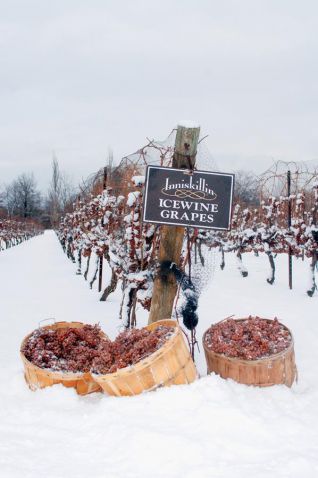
[(175, 197)]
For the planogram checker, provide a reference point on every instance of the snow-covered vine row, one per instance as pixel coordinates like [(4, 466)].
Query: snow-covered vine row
[(15, 231), (109, 227), (266, 229)]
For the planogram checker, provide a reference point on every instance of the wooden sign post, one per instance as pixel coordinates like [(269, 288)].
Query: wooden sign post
[(171, 241), (100, 278)]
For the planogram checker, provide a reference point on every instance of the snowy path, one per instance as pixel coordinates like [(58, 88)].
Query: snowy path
[(212, 428)]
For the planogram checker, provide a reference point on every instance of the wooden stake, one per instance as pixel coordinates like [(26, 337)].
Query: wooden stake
[(100, 277), (290, 260), (171, 240)]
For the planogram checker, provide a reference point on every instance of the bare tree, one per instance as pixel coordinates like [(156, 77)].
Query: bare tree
[(22, 197), (246, 187), (53, 199), (60, 193), (110, 162), (2, 203), (68, 192)]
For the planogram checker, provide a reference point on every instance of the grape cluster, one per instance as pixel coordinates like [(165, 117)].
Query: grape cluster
[(66, 349), (131, 346), (248, 339), (85, 349)]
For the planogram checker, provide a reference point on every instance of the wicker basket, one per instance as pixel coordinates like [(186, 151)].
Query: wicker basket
[(276, 369), (170, 365), (37, 377)]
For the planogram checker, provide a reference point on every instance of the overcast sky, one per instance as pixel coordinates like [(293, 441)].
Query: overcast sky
[(78, 77)]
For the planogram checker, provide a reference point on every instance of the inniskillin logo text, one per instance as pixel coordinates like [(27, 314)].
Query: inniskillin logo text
[(198, 190)]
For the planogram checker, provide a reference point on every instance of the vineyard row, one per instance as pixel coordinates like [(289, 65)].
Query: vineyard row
[(110, 226), (15, 231)]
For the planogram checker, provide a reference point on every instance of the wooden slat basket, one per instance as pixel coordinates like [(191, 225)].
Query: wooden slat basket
[(170, 365), (37, 377), (276, 369)]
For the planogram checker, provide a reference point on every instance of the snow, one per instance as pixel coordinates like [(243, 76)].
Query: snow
[(188, 124), (211, 428), (138, 180), (132, 198)]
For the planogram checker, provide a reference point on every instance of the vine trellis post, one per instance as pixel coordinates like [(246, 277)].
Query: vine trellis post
[(290, 260), (171, 241), (100, 276)]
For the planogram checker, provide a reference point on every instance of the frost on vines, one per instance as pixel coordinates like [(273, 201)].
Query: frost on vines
[(265, 229), (15, 231), (110, 226)]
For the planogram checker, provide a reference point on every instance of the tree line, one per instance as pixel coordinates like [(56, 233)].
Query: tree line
[(22, 198)]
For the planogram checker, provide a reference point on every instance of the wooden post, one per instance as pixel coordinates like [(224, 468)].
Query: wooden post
[(100, 277), (290, 263), (171, 240)]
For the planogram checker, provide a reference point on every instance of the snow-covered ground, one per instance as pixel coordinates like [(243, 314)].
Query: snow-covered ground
[(212, 428)]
